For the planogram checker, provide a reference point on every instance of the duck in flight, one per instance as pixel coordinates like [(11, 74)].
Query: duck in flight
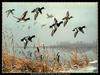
[(27, 39), (49, 16), (37, 11), (10, 11), (55, 26), (77, 29), (66, 18), (23, 17)]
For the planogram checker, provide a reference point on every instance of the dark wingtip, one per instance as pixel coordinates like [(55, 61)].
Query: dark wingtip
[(21, 40), (73, 30), (84, 27), (33, 36), (61, 21), (31, 11), (12, 9), (50, 26), (43, 8)]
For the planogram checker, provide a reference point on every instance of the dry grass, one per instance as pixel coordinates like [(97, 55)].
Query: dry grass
[(14, 64)]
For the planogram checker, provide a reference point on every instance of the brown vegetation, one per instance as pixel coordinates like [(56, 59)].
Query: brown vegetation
[(15, 64)]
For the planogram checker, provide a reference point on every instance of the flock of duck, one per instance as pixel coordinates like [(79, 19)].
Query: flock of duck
[(54, 26)]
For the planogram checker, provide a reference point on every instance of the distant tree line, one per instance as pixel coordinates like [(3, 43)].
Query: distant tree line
[(79, 44)]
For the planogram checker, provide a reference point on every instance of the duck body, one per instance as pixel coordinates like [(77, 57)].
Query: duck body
[(23, 18), (77, 29), (66, 18), (37, 11), (26, 40), (55, 26)]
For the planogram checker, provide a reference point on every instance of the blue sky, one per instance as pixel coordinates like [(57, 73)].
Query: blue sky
[(83, 13)]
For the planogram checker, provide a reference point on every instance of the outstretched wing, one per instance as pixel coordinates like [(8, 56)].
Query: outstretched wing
[(67, 14), (35, 16), (65, 23), (73, 30), (25, 44), (40, 10), (52, 25), (75, 34), (33, 11), (22, 39), (64, 18), (55, 20), (24, 14), (70, 17), (53, 31), (8, 14), (82, 30), (59, 23), (12, 13)]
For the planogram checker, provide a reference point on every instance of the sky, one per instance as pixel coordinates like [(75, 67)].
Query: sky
[(84, 13)]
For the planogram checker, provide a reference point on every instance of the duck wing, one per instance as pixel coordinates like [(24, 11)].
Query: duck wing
[(70, 17), (7, 11), (73, 30), (25, 44), (33, 11), (40, 10), (12, 12), (65, 22), (67, 14), (23, 39), (75, 34), (35, 16), (59, 23), (52, 25), (64, 18), (30, 38), (53, 31), (82, 30), (55, 20), (8, 14), (24, 14)]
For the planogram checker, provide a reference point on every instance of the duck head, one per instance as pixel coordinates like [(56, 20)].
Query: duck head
[(42, 8), (84, 27)]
